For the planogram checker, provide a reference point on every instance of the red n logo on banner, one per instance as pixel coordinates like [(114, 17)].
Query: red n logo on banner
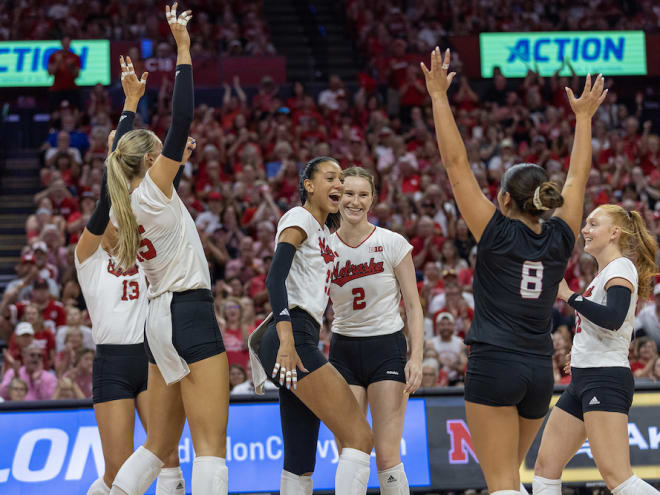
[(461, 442)]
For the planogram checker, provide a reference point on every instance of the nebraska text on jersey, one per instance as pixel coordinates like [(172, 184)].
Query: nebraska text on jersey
[(350, 271), (327, 253)]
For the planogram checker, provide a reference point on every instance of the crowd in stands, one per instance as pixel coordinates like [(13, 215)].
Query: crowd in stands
[(233, 27), (245, 174)]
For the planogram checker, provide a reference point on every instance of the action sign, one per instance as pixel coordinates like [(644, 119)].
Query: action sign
[(612, 53), (25, 63)]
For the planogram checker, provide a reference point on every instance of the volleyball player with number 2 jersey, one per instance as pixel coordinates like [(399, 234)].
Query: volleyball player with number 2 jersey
[(595, 405), (373, 268), (117, 304), (188, 371), (520, 263)]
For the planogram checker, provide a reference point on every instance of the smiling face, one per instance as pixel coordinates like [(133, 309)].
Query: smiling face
[(325, 187), (356, 200), (598, 232)]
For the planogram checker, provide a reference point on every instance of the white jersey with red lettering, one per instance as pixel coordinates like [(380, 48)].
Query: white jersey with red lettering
[(595, 346), (364, 290), (116, 300), (170, 252), (307, 284)]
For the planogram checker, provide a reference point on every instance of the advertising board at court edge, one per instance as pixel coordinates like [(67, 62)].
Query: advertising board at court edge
[(25, 63), (612, 53)]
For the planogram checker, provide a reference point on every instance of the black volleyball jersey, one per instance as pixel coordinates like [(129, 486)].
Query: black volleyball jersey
[(515, 285)]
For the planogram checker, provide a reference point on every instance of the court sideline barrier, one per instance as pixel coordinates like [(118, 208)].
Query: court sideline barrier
[(55, 445)]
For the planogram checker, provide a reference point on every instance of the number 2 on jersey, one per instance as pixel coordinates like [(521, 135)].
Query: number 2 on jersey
[(358, 300), (531, 284), (146, 250)]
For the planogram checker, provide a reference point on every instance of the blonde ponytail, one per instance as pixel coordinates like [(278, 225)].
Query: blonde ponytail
[(124, 164), (646, 248), (637, 244)]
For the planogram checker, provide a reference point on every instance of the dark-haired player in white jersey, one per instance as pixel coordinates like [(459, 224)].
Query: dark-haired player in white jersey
[(373, 269), (188, 371), (520, 263), (117, 303), (595, 405), (311, 389)]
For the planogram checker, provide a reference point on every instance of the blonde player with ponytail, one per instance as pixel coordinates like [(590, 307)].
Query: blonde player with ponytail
[(188, 372), (596, 404)]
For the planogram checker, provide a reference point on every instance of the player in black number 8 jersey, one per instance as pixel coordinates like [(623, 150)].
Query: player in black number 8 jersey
[(520, 263)]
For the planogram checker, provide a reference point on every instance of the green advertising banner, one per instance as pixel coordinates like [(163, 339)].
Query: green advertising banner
[(612, 53), (25, 63)]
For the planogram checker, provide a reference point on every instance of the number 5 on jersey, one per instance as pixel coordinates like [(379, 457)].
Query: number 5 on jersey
[(146, 250), (531, 284)]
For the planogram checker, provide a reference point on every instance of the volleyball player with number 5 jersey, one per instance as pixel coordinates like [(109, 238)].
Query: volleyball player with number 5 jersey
[(117, 304), (596, 404), (373, 268), (520, 263), (188, 371)]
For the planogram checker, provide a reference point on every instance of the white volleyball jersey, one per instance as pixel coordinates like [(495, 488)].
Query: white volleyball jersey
[(364, 291), (116, 300), (595, 346), (308, 282), (170, 252)]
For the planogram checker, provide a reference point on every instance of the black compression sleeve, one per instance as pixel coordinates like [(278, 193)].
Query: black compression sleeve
[(177, 177), (611, 316), (125, 125), (183, 103), (276, 280), (101, 214)]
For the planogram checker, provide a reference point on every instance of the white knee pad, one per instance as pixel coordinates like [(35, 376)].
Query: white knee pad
[(544, 486), (209, 476), (634, 486), (293, 484), (523, 490), (170, 482), (98, 488), (138, 472), (352, 472), (393, 481)]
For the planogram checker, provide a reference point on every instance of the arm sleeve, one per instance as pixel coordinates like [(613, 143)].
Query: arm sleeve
[(183, 102), (276, 280), (125, 125), (101, 214), (610, 316)]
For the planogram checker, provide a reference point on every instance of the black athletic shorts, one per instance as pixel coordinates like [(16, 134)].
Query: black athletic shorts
[(501, 377), (608, 389), (306, 332), (195, 331), (366, 360), (120, 372)]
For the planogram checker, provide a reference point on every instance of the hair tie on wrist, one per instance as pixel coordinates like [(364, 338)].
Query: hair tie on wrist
[(537, 200)]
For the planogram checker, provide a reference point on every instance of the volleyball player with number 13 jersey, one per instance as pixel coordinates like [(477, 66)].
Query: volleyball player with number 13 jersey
[(520, 264)]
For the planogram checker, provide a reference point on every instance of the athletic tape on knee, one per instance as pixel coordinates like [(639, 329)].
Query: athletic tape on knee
[(634, 486), (98, 488), (170, 482), (393, 481), (293, 484), (209, 476), (138, 472), (352, 472), (545, 486)]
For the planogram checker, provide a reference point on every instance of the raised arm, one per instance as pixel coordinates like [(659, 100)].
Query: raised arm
[(475, 207), (580, 164), (133, 90), (167, 164)]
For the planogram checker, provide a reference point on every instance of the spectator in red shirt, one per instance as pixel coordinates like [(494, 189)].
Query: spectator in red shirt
[(427, 244), (64, 65), (43, 336), (234, 332), (646, 353), (20, 340), (52, 311)]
